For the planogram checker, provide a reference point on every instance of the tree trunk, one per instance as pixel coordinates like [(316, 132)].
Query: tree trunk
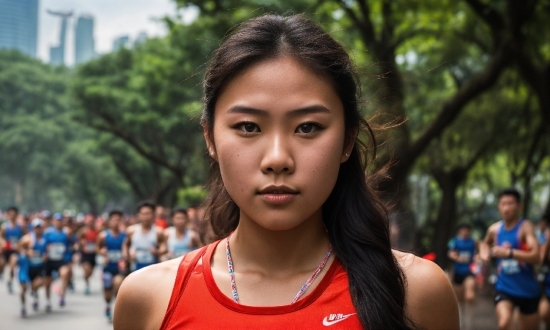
[(446, 216)]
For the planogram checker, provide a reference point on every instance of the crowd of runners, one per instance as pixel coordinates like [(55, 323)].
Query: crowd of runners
[(39, 248), (514, 256)]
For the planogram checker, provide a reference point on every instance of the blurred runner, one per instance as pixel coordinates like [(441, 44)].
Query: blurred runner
[(32, 267), (462, 249), (160, 217), (513, 243), (87, 238), (180, 239), (109, 245), (544, 306), (11, 232), (144, 242), (58, 249)]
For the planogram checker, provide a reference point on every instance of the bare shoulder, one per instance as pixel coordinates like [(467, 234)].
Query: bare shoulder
[(527, 225), (142, 305), (430, 299)]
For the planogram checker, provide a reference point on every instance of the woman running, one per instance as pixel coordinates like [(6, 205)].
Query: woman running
[(305, 241)]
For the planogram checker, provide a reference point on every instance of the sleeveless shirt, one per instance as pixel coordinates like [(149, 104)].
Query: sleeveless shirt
[(516, 278), (465, 249), (141, 244), (179, 246), (197, 302), (12, 234)]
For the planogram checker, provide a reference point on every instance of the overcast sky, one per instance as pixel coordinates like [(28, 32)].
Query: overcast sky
[(113, 18)]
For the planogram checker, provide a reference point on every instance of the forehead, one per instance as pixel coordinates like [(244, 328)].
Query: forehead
[(279, 84), (507, 199)]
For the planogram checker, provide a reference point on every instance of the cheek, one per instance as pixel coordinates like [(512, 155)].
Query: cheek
[(236, 160)]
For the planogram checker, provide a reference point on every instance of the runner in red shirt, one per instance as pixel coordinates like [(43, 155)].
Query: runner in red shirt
[(305, 241), (87, 239)]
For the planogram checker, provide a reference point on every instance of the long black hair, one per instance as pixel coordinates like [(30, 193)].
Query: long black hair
[(356, 219)]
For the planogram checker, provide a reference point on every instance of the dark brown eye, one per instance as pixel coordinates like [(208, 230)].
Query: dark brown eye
[(249, 127), (306, 128)]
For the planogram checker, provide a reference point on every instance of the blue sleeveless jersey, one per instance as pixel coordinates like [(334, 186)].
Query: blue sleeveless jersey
[(57, 245), (39, 249), (515, 278), (464, 248), (114, 249), (23, 263), (13, 234)]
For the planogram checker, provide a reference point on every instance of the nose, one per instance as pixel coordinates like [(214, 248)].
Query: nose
[(277, 157)]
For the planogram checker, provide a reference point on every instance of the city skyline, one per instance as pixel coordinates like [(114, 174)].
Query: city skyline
[(131, 18)]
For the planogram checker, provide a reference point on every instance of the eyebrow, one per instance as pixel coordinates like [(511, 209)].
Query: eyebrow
[(317, 108)]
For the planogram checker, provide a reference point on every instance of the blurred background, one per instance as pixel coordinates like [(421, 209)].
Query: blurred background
[(100, 103)]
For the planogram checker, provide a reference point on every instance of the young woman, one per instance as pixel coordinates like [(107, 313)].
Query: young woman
[(305, 241)]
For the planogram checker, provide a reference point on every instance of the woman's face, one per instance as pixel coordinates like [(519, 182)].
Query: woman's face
[(279, 140)]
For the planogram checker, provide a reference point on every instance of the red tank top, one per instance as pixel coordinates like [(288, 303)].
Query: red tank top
[(198, 303), (90, 235)]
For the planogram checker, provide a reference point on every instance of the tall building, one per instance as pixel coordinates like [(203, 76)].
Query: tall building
[(141, 38), (19, 25), (57, 53), (121, 42), (84, 39)]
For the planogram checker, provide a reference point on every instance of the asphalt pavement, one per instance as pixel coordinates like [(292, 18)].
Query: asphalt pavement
[(80, 312)]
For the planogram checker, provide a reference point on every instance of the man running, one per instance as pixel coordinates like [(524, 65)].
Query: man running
[(462, 249), (58, 247), (160, 217), (32, 267), (11, 232), (180, 239), (144, 242), (109, 245), (87, 238), (513, 243)]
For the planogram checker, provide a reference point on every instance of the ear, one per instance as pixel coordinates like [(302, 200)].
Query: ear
[(209, 138), (349, 143)]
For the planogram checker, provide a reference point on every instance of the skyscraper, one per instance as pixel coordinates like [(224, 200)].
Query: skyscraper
[(121, 42), (57, 53), (19, 25), (84, 39)]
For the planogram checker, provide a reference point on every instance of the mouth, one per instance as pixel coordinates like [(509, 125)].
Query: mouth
[(278, 190), (278, 195)]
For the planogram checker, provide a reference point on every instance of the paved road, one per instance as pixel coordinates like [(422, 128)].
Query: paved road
[(81, 312)]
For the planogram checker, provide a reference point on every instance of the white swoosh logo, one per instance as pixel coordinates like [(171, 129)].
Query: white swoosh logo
[(328, 323)]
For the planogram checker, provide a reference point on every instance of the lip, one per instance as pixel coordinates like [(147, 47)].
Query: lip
[(277, 195)]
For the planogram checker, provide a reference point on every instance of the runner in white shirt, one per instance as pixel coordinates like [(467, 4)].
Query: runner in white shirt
[(180, 238)]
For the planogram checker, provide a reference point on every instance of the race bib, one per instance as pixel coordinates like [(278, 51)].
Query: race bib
[(90, 247), (465, 257), (510, 266), (13, 242), (56, 251), (114, 255), (36, 260), (144, 257)]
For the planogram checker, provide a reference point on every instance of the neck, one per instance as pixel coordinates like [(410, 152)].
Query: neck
[(115, 231), (511, 222), (180, 230), (301, 248), (146, 226)]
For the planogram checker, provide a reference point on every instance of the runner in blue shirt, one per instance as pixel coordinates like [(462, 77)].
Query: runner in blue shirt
[(462, 249), (11, 232), (544, 306), (58, 247), (32, 267), (109, 245), (512, 242)]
